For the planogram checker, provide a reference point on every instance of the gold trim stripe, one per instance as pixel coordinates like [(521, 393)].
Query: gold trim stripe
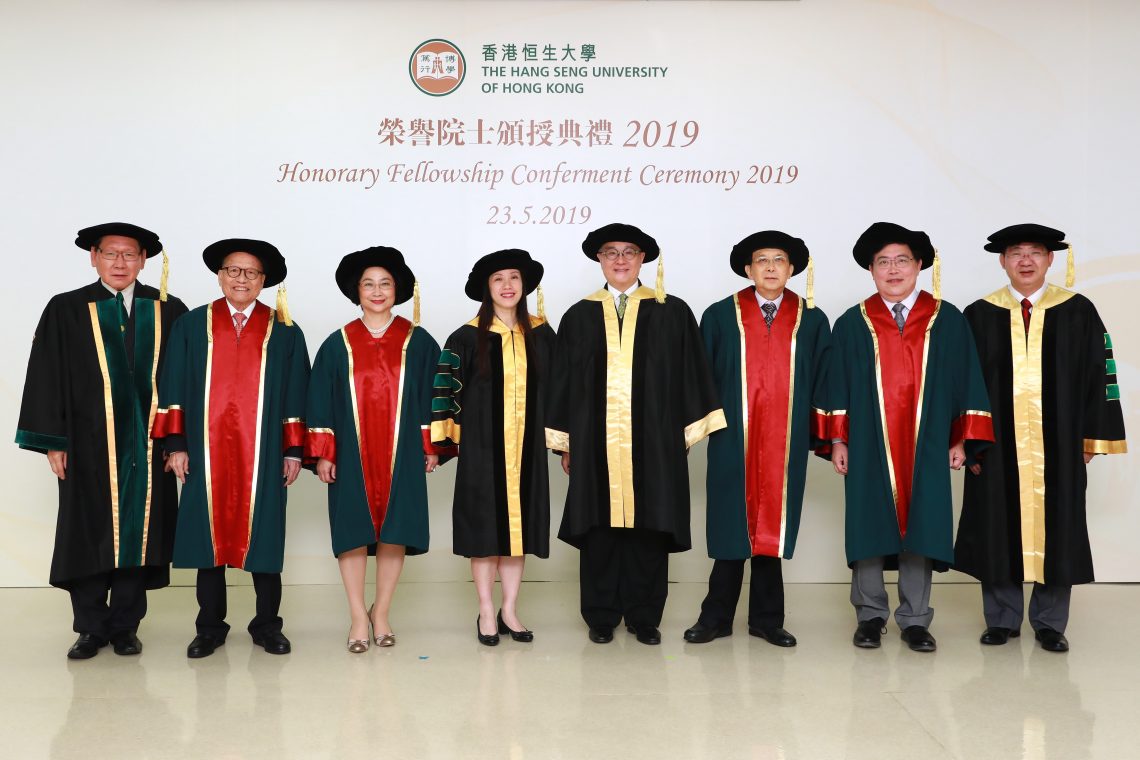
[(882, 410), (444, 430), (330, 431), (399, 408), (1028, 433), (788, 429), (1094, 446), (743, 379), (257, 434), (514, 428), (704, 427), (556, 440), (619, 406), (109, 410), (150, 426)]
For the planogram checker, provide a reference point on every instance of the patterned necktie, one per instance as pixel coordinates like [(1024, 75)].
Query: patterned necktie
[(769, 310), (900, 320), (123, 316), (622, 300), (1026, 306), (239, 322)]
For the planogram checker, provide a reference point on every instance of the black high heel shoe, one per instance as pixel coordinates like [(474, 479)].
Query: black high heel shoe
[(489, 641), (524, 636)]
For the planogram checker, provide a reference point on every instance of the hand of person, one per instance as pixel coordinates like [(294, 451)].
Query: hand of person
[(976, 468), (1088, 457), (431, 461), (326, 471), (957, 456), (57, 460), (291, 470), (178, 462), (839, 457), (566, 462)]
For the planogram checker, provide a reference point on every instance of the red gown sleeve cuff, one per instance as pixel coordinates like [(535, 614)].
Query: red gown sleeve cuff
[(320, 443), (432, 449), (972, 426), (293, 433), (168, 421)]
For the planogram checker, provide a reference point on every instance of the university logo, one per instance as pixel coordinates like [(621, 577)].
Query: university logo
[(437, 67)]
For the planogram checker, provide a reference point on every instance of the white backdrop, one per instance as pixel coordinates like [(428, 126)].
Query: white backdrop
[(953, 117)]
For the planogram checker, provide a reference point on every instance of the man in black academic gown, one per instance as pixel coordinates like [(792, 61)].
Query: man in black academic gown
[(1051, 377), (630, 392), (88, 402)]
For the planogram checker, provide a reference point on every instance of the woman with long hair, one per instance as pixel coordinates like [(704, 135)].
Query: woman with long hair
[(489, 393), (368, 413)]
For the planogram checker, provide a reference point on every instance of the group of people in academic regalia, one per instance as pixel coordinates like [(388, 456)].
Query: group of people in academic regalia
[(128, 392)]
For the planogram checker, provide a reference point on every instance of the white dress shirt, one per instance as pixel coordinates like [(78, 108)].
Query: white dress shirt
[(129, 294)]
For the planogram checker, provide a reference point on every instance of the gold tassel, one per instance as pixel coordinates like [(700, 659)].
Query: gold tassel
[(1071, 270), (283, 306), (541, 305), (659, 290), (416, 304), (936, 276), (165, 276), (811, 283)]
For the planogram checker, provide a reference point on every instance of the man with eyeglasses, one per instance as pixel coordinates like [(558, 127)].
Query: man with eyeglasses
[(906, 399), (1049, 367), (231, 418), (88, 400), (769, 350), (631, 392)]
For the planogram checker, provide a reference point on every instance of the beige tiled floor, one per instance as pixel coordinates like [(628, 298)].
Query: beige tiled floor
[(438, 693)]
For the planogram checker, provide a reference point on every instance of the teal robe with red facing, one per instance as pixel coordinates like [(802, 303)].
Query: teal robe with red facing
[(899, 402), (369, 412), (239, 403), (772, 387)]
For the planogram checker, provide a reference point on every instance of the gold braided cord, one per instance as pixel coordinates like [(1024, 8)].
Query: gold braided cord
[(937, 275), (165, 276), (283, 306), (659, 290), (416, 304), (541, 305), (811, 283), (1071, 270)]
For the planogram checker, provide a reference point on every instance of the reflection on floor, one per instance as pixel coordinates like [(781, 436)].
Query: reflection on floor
[(438, 693)]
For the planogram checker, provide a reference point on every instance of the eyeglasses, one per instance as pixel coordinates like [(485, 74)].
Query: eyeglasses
[(129, 257), (609, 254), (899, 262), (1019, 255), (235, 272), (764, 261), (369, 285)]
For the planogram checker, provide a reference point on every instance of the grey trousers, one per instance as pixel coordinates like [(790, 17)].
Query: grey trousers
[(1003, 604), (869, 592)]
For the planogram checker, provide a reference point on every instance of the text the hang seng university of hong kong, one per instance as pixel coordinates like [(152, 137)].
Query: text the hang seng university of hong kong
[(427, 150)]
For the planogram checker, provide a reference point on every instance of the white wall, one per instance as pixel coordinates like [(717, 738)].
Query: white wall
[(953, 117)]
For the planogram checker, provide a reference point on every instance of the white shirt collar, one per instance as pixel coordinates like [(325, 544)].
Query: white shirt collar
[(617, 293), (247, 311), (908, 303), (1033, 297), (128, 294), (762, 300)]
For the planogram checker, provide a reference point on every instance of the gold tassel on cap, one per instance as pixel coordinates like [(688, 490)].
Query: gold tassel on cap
[(811, 283), (283, 306), (166, 276), (416, 304), (541, 305), (659, 289), (1071, 270), (936, 276)]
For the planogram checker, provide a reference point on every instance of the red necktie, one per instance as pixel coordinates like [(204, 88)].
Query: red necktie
[(1026, 305), (239, 322)]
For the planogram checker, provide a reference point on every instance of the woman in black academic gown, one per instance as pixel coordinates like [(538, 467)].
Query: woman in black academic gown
[(489, 393)]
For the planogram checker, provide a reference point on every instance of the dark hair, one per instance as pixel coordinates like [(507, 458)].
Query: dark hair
[(487, 314)]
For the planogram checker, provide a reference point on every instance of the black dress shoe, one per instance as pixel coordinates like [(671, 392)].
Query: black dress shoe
[(524, 636), (85, 647), (274, 643), (869, 633), (918, 638), (1052, 641), (126, 643), (203, 645), (995, 635), (601, 635), (776, 636), (646, 634), (487, 641), (703, 634)]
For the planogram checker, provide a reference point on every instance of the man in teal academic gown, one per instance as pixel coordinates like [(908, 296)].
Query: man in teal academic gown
[(906, 399), (769, 351)]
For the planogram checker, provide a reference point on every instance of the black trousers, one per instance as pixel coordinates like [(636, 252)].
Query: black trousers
[(93, 613), (624, 572), (212, 603), (765, 593)]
